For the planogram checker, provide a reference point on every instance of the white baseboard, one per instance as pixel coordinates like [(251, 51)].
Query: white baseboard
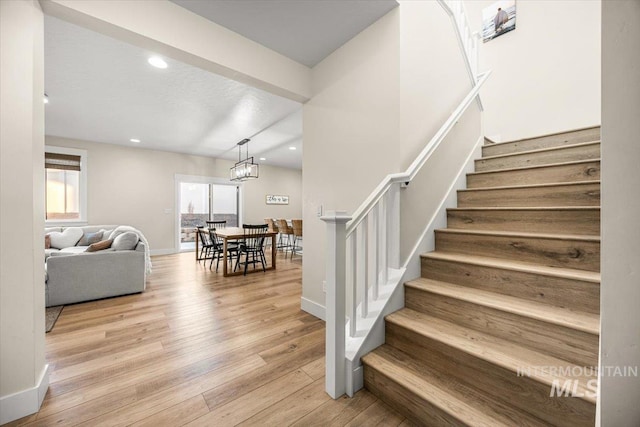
[(154, 252), (312, 308), (26, 402)]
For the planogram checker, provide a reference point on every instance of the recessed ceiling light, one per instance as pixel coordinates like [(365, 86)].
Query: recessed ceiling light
[(263, 159), (292, 148), (157, 62), (136, 140), (46, 98)]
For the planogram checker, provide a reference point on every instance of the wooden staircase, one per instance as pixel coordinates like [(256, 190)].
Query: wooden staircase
[(506, 312)]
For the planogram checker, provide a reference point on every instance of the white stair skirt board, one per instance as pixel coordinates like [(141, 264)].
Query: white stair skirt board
[(26, 402)]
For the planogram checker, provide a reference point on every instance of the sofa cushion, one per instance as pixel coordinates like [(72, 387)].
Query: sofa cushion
[(73, 250), (69, 237), (126, 241), (48, 252), (47, 241), (90, 238), (100, 246)]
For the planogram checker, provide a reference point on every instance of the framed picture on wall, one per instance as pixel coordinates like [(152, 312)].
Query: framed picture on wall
[(498, 19), (277, 200)]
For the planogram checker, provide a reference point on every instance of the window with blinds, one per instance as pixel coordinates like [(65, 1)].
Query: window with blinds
[(62, 161), (63, 186)]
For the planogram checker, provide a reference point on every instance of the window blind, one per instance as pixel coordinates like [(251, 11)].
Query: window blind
[(62, 161)]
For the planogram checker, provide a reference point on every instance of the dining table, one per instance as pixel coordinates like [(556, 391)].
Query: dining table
[(235, 233)]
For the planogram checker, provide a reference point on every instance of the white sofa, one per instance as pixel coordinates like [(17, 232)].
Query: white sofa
[(74, 275)]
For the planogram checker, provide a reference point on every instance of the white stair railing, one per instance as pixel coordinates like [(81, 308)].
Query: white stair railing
[(363, 256), (467, 39)]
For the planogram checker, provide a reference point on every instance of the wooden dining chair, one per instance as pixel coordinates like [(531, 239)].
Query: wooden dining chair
[(273, 227), (297, 235), (286, 231), (218, 249), (252, 245), (206, 244)]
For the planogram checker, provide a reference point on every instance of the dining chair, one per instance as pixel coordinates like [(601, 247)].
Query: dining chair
[(252, 245), (217, 224), (218, 249), (297, 235), (206, 244), (285, 231), (273, 227)]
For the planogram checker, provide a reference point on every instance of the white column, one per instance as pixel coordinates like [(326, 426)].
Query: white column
[(335, 302)]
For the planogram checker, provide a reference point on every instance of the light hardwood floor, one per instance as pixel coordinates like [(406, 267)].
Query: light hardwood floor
[(197, 349)]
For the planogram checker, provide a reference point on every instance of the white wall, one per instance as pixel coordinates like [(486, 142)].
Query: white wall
[(546, 73), (23, 373), (376, 102), (135, 186), (620, 289), (350, 131), (433, 82)]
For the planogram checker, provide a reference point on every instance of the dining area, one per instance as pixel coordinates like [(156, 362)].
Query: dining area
[(250, 248)]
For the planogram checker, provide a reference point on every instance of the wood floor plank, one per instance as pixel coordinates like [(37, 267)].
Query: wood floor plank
[(378, 414), (191, 345), (315, 369), (291, 408), (252, 403), (176, 415), (337, 412)]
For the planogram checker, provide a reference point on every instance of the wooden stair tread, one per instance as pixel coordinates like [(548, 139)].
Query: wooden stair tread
[(546, 135), (567, 273), (551, 184), (586, 237), (540, 150), (494, 350), (586, 322), (526, 208), (576, 162), (450, 395)]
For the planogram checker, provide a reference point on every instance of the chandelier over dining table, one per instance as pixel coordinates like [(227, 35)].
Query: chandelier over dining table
[(245, 168)]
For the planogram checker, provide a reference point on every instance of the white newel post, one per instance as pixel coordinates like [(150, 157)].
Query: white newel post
[(335, 302)]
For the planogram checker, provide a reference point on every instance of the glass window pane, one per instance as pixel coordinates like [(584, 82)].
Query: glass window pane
[(62, 194), (225, 205), (194, 209), (73, 193)]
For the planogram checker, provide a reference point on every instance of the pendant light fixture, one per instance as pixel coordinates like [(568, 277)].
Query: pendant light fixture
[(245, 168)]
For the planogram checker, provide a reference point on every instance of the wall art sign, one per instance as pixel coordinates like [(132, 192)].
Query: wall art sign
[(277, 200)]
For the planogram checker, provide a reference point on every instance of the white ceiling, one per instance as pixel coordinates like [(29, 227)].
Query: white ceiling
[(306, 31), (103, 90)]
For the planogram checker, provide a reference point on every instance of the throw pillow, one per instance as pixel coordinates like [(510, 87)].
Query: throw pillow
[(69, 237), (99, 246), (90, 238), (125, 242), (47, 241), (106, 234)]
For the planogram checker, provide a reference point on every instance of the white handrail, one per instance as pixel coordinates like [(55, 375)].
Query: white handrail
[(467, 40), (414, 168)]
